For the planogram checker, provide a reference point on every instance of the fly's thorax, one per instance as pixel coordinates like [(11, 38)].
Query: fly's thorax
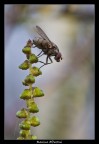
[(55, 48), (41, 43), (45, 43), (37, 41)]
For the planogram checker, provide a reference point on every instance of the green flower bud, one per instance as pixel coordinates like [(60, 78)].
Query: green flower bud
[(33, 58), (29, 79), (30, 137), (34, 121), (24, 65), (26, 94), (32, 106), (29, 43), (24, 83), (24, 133), (26, 50), (22, 113), (37, 92), (35, 71), (29, 102), (34, 137), (25, 125), (20, 138)]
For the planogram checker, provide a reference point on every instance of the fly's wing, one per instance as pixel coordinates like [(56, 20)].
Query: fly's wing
[(42, 34)]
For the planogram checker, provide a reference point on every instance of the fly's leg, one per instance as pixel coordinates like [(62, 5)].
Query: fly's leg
[(50, 60), (39, 54), (42, 62), (46, 61)]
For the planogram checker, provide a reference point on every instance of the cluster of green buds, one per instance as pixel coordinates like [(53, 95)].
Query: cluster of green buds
[(29, 95)]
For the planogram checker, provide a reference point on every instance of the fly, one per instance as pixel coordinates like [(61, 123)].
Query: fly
[(47, 47)]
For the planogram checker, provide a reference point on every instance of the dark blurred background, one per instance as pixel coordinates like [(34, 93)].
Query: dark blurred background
[(67, 109)]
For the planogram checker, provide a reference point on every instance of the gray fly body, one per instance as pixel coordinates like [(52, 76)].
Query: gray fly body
[(48, 48)]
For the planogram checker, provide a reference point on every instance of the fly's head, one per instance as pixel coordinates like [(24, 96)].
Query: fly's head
[(58, 55)]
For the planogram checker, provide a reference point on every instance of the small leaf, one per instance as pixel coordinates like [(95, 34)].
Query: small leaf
[(24, 65)]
